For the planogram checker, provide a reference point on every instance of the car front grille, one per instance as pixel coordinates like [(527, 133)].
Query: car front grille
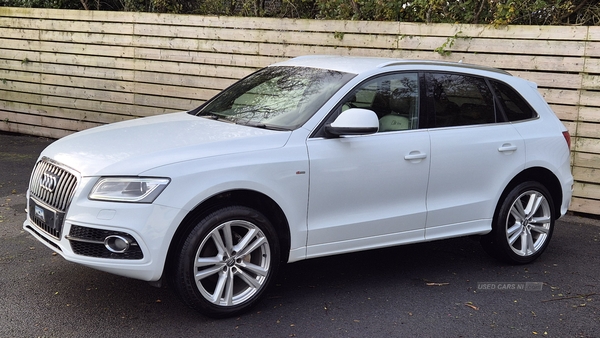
[(51, 189), (63, 184)]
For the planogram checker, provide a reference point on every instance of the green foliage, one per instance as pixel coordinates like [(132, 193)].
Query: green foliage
[(494, 12), (36, 3), (66, 4), (533, 12), (448, 44)]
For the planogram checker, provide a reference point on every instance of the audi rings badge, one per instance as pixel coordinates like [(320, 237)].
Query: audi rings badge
[(48, 181)]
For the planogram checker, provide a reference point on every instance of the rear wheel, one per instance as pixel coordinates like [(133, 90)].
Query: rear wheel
[(522, 225), (227, 262)]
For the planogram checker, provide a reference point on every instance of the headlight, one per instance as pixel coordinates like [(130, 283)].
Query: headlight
[(128, 189)]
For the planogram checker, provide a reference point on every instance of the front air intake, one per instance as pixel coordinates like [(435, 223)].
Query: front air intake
[(100, 243)]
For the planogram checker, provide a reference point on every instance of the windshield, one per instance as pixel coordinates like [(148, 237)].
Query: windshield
[(276, 97)]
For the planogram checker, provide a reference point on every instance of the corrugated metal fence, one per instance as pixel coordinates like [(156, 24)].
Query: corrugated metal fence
[(62, 71)]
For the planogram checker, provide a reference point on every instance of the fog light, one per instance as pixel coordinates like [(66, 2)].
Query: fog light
[(117, 244)]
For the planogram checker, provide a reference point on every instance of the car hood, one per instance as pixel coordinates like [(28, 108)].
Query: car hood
[(135, 146)]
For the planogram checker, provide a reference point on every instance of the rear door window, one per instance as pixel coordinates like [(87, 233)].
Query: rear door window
[(460, 100)]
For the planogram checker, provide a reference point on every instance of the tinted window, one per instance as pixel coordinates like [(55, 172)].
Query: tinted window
[(513, 104), (460, 100)]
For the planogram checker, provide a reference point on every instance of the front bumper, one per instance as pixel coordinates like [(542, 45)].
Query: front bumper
[(150, 228)]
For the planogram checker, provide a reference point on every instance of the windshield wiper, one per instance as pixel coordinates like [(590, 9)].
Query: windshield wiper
[(218, 117), (211, 116), (252, 124), (260, 125)]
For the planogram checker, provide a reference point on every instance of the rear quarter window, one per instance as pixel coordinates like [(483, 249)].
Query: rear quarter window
[(514, 105)]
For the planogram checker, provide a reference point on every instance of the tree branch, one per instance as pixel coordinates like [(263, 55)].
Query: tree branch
[(577, 9)]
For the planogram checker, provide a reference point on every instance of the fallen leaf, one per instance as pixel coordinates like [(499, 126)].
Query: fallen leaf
[(436, 284), (469, 304)]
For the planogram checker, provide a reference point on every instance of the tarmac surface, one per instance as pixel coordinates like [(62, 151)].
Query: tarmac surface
[(447, 288)]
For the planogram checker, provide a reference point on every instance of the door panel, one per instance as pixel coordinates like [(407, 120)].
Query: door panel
[(367, 191), (474, 154), (470, 166)]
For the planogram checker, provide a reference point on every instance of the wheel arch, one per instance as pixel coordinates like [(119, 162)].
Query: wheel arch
[(248, 198), (544, 177), (495, 242)]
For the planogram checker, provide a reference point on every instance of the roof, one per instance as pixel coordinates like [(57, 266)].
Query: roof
[(357, 65)]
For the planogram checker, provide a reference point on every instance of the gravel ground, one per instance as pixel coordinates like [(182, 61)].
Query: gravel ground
[(424, 290)]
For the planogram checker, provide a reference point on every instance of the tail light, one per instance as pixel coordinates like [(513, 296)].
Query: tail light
[(567, 138)]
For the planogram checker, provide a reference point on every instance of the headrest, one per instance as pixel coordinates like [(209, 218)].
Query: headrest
[(393, 122)]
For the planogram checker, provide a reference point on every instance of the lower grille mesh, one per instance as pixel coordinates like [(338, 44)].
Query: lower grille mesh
[(90, 242)]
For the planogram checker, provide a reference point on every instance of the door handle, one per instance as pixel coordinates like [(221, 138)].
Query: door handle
[(415, 155), (506, 147)]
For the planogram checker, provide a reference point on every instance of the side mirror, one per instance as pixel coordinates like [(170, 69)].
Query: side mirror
[(354, 121)]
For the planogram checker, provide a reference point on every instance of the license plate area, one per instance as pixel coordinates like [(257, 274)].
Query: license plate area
[(46, 218)]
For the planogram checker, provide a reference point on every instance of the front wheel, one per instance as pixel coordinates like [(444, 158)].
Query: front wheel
[(227, 262), (522, 225)]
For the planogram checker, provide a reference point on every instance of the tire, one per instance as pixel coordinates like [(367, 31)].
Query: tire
[(227, 262), (523, 224)]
